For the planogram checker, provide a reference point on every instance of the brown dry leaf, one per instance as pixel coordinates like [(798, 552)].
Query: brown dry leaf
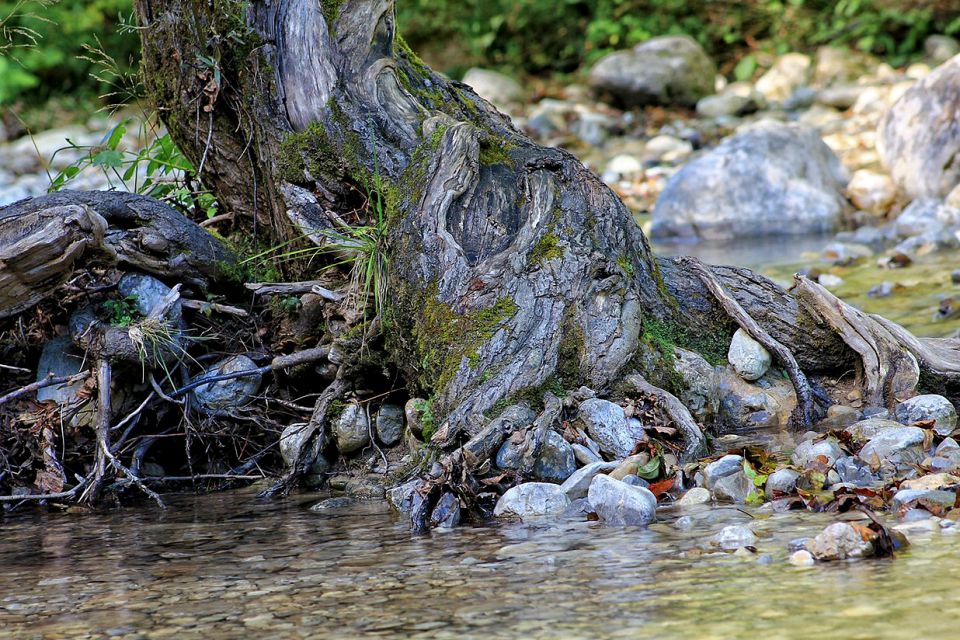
[(48, 482), (660, 488)]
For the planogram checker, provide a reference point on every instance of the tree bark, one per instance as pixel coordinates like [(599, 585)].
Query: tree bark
[(512, 268)]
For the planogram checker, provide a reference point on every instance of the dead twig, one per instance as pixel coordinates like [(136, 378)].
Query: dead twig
[(49, 381), (200, 305)]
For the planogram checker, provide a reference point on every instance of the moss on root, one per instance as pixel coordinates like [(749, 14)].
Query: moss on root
[(443, 338)]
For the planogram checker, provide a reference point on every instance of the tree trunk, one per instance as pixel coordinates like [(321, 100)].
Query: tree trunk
[(512, 269)]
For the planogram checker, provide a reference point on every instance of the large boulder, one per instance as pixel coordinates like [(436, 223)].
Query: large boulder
[(918, 137), (771, 179), (664, 70), (619, 503)]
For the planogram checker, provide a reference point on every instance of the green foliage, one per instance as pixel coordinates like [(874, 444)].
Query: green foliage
[(121, 313), (428, 422), (570, 33), (43, 45), (157, 169)]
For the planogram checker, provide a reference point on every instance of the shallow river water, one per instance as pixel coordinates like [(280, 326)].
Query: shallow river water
[(229, 566)]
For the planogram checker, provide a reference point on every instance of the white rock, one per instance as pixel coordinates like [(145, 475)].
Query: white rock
[(838, 542), (802, 558), (929, 407), (871, 191), (577, 485), (695, 496), (618, 503), (501, 90), (790, 71), (607, 424), (748, 356), (532, 499), (734, 537)]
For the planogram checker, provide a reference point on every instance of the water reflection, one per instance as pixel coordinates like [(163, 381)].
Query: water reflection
[(227, 566)]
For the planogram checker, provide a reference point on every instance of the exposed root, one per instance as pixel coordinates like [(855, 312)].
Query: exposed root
[(804, 414), (888, 372), (316, 428), (104, 454), (696, 444), (533, 442)]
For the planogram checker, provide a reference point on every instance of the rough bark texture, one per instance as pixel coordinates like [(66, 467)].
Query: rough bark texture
[(513, 269), (43, 240)]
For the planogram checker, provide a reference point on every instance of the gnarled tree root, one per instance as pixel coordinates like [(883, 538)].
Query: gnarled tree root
[(804, 414), (695, 444), (888, 372)]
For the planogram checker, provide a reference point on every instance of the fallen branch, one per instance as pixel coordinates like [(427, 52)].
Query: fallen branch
[(47, 496), (294, 288), (49, 381), (200, 305), (280, 362)]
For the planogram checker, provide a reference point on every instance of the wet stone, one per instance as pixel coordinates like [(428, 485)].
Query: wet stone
[(781, 483), (446, 515), (924, 497), (865, 430), (733, 537), (555, 463), (390, 424), (607, 424), (617, 503), (695, 496), (839, 541), (929, 407), (401, 497), (734, 488), (853, 470), (808, 453), (331, 504), (725, 466), (532, 499), (898, 445)]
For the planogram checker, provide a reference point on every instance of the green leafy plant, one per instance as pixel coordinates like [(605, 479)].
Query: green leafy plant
[(157, 169), (122, 312)]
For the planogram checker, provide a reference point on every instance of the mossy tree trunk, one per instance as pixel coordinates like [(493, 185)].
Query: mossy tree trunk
[(512, 271)]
